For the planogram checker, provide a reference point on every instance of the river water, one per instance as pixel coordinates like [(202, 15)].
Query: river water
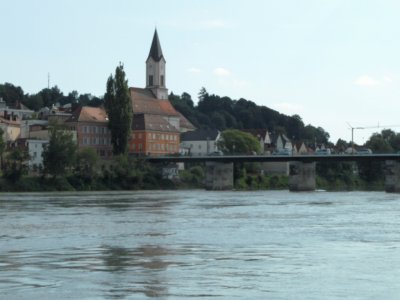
[(198, 244)]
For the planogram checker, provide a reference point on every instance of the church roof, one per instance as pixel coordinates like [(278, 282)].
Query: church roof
[(155, 50), (144, 101), (152, 123)]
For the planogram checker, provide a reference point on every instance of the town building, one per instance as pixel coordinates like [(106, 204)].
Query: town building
[(200, 142), (91, 127), (156, 125)]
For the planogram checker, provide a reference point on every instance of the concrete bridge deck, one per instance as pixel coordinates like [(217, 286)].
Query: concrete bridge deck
[(277, 158)]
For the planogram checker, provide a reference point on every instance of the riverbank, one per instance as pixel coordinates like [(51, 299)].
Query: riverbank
[(191, 179)]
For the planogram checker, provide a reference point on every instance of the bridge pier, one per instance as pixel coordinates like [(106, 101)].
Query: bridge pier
[(219, 175), (301, 176), (392, 176)]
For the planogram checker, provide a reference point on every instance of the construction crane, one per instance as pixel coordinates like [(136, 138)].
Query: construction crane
[(366, 127)]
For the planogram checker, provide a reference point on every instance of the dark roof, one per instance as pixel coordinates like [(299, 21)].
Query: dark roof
[(200, 135), (256, 132), (152, 123), (155, 50)]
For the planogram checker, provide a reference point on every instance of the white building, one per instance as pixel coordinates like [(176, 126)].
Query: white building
[(35, 150), (199, 142)]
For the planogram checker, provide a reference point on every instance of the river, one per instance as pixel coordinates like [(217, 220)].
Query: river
[(199, 244)]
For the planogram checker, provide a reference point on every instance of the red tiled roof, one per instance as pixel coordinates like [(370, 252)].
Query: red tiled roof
[(144, 102), (89, 114)]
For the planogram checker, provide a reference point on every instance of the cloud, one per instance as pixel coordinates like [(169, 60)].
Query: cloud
[(288, 108), (222, 72), (368, 81), (387, 79), (194, 70)]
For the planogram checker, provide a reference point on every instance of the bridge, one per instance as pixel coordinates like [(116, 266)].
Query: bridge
[(219, 168)]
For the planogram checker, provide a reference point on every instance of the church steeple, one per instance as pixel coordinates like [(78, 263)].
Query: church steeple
[(155, 50), (155, 69)]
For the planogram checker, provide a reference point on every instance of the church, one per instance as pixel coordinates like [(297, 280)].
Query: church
[(156, 125)]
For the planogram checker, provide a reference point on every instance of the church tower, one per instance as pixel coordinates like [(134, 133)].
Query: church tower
[(155, 70)]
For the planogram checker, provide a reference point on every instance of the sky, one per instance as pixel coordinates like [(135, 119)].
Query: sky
[(336, 63)]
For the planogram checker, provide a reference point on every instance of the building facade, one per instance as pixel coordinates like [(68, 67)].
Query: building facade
[(91, 127), (156, 125)]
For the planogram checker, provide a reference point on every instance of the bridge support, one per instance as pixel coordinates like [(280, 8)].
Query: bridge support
[(301, 176), (392, 176), (219, 176)]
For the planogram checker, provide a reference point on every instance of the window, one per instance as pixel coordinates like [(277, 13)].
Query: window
[(162, 80), (151, 80)]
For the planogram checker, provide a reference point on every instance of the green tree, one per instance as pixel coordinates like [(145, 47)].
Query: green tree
[(119, 109), (51, 96), (236, 141), (11, 94), (15, 165), (59, 154), (34, 102), (86, 163)]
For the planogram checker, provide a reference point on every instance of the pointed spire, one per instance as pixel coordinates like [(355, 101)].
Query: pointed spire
[(155, 50)]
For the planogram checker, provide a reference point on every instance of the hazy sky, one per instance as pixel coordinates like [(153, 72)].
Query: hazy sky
[(330, 61)]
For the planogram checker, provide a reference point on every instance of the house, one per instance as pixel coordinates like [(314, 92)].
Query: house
[(264, 138), (299, 148), (35, 149), (156, 124), (11, 128), (91, 127), (20, 112), (199, 142), (34, 129), (283, 142)]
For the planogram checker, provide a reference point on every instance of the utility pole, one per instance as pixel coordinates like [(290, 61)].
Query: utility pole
[(352, 136), (367, 127), (48, 80)]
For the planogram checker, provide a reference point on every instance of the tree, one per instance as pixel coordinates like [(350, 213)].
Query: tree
[(59, 154), (11, 94), (51, 96), (236, 141), (86, 162), (34, 102), (15, 165), (119, 109)]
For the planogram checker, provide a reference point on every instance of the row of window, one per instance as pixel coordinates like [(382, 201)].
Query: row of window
[(156, 147), (95, 129), (157, 136), (96, 141)]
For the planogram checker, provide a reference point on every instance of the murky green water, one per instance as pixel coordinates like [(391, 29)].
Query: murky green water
[(198, 244)]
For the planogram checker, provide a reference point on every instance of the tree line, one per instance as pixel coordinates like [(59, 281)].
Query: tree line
[(13, 96), (215, 112)]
